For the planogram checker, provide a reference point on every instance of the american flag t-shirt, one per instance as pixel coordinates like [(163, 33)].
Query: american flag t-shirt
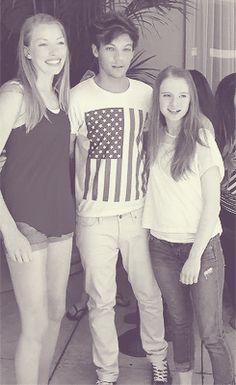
[(114, 169), (105, 132)]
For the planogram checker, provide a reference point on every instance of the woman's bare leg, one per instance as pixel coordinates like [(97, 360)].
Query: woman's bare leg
[(29, 282), (186, 377), (58, 268)]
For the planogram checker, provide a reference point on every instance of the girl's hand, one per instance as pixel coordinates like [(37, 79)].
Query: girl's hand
[(17, 246), (88, 74), (2, 161), (190, 271)]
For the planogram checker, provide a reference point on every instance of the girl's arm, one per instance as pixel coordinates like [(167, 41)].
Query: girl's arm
[(210, 184), (72, 145), (17, 246), (207, 124), (2, 161)]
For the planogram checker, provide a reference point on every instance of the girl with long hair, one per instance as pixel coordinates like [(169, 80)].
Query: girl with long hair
[(182, 212), (225, 98), (36, 202), (206, 100)]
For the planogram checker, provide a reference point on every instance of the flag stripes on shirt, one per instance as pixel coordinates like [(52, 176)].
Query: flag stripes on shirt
[(130, 155), (114, 169), (95, 183), (118, 180), (107, 180), (140, 156)]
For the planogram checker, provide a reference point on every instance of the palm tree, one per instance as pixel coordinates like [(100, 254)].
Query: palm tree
[(76, 16)]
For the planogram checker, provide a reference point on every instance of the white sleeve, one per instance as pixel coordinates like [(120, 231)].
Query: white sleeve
[(208, 155), (146, 123), (75, 115), (207, 124)]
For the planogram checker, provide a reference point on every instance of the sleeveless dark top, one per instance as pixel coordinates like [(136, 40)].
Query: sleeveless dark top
[(36, 183)]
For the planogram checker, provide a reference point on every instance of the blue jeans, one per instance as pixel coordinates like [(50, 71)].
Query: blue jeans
[(205, 297)]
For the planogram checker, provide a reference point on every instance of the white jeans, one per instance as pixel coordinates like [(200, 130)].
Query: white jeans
[(99, 240)]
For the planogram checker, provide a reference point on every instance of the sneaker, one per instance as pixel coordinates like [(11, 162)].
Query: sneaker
[(161, 375), (101, 382)]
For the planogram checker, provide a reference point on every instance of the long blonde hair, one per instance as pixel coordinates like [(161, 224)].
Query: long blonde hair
[(35, 108), (188, 137)]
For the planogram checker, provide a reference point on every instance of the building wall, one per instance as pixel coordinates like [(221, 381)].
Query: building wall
[(166, 42)]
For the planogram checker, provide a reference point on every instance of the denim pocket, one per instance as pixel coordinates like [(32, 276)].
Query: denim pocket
[(137, 215), (209, 252), (151, 238)]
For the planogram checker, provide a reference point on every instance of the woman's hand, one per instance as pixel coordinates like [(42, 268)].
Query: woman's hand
[(190, 271), (87, 75), (2, 161), (17, 246), (210, 186)]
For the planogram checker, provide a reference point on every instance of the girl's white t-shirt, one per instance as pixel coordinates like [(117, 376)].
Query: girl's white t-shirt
[(172, 208)]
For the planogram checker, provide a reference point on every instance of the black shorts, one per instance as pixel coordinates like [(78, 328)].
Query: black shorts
[(37, 239)]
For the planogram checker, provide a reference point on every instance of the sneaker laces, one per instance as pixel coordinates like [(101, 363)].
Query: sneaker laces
[(160, 374)]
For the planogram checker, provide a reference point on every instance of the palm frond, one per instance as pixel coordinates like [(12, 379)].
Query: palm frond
[(77, 15), (162, 7), (151, 13), (140, 72), (136, 62)]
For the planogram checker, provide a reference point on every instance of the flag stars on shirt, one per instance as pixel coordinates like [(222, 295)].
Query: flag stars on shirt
[(105, 133)]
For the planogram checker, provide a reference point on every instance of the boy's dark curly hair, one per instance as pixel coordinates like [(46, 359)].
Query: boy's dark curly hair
[(111, 25)]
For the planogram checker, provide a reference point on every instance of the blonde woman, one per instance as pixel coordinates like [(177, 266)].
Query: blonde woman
[(36, 203)]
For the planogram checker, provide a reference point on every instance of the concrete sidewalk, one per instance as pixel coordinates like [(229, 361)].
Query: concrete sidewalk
[(73, 359)]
